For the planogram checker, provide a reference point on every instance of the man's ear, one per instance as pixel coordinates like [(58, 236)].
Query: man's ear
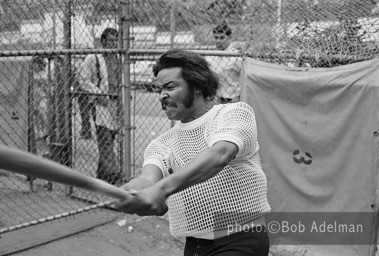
[(197, 90)]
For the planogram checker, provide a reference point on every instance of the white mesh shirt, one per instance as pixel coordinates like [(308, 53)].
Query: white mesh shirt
[(237, 194)]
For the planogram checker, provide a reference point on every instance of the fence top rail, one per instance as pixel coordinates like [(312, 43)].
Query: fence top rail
[(201, 52), (49, 53), (153, 54)]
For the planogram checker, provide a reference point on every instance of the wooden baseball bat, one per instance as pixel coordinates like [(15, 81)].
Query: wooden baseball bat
[(31, 165)]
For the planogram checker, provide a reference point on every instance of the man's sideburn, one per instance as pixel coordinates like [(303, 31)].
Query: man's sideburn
[(190, 97)]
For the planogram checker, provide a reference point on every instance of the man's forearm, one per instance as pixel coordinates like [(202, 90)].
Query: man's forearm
[(138, 183), (150, 174), (206, 165)]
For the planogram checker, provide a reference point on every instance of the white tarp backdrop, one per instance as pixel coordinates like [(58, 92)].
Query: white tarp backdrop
[(317, 129)]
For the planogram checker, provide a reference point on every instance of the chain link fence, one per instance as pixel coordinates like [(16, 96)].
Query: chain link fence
[(61, 98), (45, 110)]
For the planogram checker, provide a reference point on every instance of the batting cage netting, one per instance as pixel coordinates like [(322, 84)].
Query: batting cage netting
[(70, 96)]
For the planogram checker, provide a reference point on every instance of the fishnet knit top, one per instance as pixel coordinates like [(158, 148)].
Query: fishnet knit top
[(237, 194)]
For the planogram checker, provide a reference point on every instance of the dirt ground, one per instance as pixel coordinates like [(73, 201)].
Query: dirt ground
[(122, 234)]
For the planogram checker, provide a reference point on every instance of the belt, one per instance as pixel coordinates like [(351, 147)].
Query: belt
[(257, 222)]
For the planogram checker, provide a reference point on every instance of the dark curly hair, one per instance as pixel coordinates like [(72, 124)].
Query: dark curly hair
[(195, 70), (106, 33)]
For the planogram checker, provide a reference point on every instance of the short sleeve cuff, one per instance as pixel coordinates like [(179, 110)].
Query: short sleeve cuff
[(157, 163), (227, 137)]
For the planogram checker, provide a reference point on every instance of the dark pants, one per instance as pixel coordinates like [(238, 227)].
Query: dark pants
[(87, 111), (107, 167), (254, 242)]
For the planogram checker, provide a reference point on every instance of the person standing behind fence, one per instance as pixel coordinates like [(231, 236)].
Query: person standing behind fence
[(40, 90), (86, 109), (100, 74), (227, 68)]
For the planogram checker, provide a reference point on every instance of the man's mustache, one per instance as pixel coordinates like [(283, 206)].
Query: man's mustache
[(166, 103)]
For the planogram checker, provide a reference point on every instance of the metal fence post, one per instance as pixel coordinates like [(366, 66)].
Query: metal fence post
[(67, 135), (172, 32), (278, 22), (126, 152)]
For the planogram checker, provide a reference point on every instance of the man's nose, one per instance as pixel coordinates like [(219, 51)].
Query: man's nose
[(162, 96)]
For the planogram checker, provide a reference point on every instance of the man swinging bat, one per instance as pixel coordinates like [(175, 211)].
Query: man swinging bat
[(205, 170)]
